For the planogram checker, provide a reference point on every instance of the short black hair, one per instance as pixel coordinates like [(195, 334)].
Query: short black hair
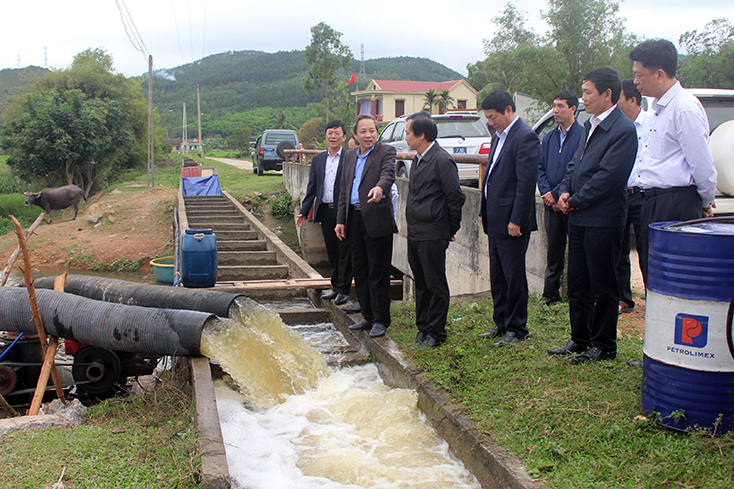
[(336, 123), (630, 90), (571, 99), (656, 54), (605, 78), (362, 117), (423, 125), (498, 100)]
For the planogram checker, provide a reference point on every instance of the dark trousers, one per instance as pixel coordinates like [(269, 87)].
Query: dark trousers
[(624, 267), (675, 204), (428, 262), (340, 258), (509, 283), (593, 295), (371, 260), (556, 229)]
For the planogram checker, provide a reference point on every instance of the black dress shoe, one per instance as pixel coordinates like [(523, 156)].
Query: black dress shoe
[(419, 338), (329, 296), (570, 347), (341, 299), (594, 355), (492, 333), (509, 338), (361, 325), (353, 308), (378, 329), (429, 342), (548, 301)]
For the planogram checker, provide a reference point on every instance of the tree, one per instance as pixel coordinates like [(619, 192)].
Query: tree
[(311, 134), (83, 125), (325, 55), (445, 100), (240, 139), (710, 61), (280, 119), (430, 99), (344, 109)]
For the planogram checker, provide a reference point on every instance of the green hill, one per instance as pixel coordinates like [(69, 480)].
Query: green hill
[(238, 82), (13, 81)]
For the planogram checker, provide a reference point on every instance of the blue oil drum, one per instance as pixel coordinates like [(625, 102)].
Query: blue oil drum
[(688, 364), (199, 258)]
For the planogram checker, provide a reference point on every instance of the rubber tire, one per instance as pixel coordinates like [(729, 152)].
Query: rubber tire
[(259, 170), (282, 146), (402, 172), (722, 149)]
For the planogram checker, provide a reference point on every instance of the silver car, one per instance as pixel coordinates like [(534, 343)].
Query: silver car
[(458, 133)]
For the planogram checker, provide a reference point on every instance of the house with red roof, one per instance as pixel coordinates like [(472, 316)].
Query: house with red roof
[(389, 99)]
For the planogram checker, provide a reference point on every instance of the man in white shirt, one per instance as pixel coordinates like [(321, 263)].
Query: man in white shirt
[(629, 102), (676, 171)]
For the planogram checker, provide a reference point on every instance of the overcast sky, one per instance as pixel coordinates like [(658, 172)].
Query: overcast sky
[(49, 33)]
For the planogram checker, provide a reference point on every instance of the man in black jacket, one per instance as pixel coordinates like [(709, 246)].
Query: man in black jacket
[(594, 195), (322, 194), (433, 213)]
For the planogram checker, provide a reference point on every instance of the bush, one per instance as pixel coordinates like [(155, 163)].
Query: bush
[(14, 205), (281, 207)]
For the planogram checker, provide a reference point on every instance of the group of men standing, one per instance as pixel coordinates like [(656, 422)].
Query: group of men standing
[(625, 168)]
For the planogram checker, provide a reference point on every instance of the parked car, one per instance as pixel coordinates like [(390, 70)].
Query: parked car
[(719, 106), (269, 148), (458, 133)]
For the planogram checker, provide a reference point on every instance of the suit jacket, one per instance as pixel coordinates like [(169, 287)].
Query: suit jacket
[(597, 175), (379, 170), (435, 198), (315, 190), (552, 169), (509, 189)]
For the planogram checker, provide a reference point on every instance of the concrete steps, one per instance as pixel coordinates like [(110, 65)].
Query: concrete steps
[(241, 254)]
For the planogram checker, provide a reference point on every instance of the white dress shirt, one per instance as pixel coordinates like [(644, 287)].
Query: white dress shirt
[(501, 142), (332, 165), (676, 153), (641, 120)]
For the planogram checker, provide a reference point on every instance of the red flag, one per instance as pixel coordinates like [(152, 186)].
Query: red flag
[(351, 80)]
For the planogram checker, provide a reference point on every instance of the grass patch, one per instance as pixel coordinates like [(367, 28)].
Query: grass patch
[(573, 426), (14, 205), (133, 442)]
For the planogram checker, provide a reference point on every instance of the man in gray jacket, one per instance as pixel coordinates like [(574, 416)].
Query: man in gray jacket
[(433, 213)]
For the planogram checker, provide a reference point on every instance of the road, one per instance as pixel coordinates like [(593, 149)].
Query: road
[(241, 164)]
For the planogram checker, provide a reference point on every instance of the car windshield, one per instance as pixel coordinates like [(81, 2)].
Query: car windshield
[(276, 137), (465, 128), (718, 111)]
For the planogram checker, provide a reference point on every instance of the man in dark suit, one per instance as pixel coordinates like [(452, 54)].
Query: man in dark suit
[(594, 194), (433, 213), (365, 218), (508, 214), (322, 194)]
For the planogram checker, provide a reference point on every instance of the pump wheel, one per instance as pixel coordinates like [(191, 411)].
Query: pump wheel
[(8, 379), (99, 368)]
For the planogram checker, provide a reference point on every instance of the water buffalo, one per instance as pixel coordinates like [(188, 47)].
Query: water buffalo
[(55, 198)]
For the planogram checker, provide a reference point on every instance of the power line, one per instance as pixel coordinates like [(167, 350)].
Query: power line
[(191, 33), (178, 36), (203, 42), (127, 21)]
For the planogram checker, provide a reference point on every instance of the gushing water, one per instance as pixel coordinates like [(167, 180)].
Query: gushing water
[(292, 425), (264, 357)]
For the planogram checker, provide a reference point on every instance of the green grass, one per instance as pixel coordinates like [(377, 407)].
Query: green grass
[(139, 441), (573, 426), (14, 205)]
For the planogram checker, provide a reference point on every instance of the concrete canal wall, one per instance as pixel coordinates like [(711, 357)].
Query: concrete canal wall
[(467, 259)]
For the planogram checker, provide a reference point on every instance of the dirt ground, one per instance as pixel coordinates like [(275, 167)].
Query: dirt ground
[(126, 224)]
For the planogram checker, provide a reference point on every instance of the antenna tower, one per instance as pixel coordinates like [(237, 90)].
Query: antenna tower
[(362, 73)]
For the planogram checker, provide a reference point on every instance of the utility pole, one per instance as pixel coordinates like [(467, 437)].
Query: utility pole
[(184, 133), (198, 108), (151, 156)]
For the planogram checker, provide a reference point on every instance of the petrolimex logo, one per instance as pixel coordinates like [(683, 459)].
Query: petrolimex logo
[(692, 331)]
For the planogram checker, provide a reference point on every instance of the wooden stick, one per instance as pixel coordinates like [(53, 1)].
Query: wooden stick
[(36, 317), (6, 271), (59, 284), (48, 363), (7, 407)]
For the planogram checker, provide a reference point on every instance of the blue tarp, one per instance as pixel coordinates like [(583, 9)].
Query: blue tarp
[(201, 185)]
